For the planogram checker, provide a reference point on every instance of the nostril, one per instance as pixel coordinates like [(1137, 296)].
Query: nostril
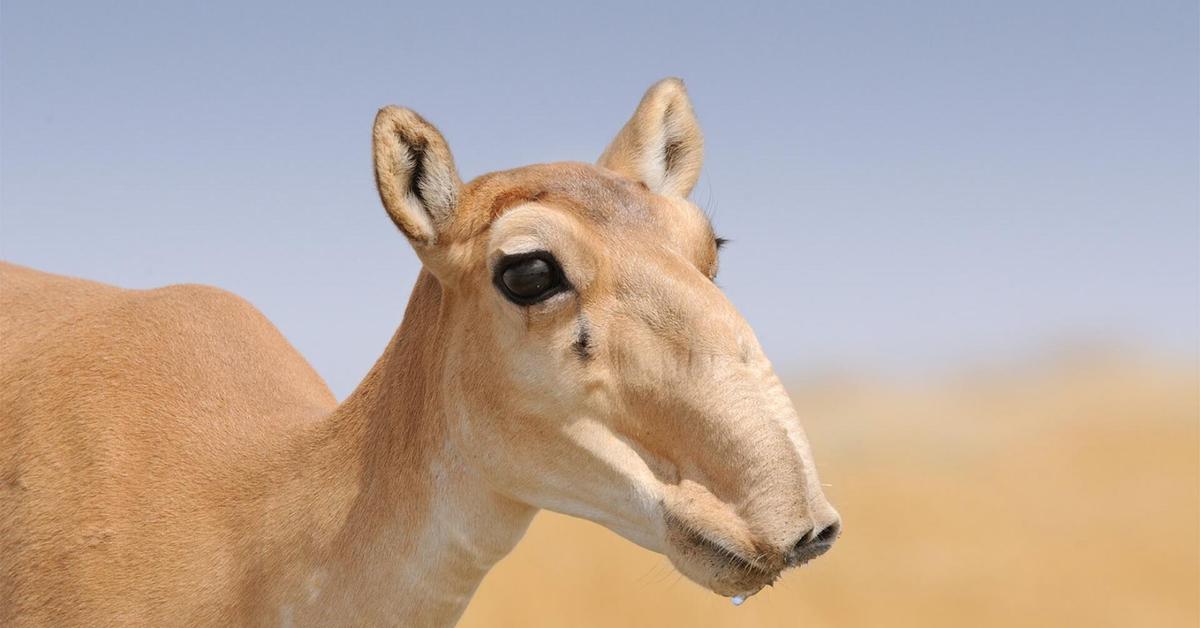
[(828, 535), (815, 543)]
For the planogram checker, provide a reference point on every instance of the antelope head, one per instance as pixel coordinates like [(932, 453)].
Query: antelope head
[(592, 366)]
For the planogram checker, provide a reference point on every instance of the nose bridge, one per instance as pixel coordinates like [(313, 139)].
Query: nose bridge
[(708, 399), (712, 324), (750, 444), (767, 460), (731, 420)]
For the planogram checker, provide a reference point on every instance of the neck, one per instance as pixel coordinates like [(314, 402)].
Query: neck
[(414, 531)]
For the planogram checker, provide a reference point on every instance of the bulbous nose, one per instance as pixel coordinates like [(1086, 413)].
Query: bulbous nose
[(817, 541)]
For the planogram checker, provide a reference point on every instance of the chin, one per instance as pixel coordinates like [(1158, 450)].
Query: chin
[(722, 573), (717, 564)]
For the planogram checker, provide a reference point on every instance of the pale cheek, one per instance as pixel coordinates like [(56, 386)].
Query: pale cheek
[(544, 383)]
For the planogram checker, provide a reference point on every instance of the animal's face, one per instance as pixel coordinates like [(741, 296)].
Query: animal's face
[(593, 367)]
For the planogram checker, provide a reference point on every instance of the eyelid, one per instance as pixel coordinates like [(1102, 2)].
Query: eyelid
[(506, 260)]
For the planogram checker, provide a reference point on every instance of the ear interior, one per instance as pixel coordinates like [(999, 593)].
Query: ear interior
[(415, 174), (661, 145)]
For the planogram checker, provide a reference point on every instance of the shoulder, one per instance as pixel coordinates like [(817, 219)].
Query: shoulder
[(219, 336), (184, 339)]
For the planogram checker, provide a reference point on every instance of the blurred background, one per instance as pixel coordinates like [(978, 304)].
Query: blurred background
[(968, 235)]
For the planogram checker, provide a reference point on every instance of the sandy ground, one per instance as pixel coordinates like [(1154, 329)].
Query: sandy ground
[(1062, 495)]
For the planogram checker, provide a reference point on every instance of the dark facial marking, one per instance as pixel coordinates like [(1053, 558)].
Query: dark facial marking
[(583, 342)]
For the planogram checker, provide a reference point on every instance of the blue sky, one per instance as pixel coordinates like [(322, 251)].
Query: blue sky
[(907, 186)]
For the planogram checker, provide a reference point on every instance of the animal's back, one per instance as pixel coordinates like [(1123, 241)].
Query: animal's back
[(129, 420)]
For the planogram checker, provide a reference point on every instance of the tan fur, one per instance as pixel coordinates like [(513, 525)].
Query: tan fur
[(167, 458)]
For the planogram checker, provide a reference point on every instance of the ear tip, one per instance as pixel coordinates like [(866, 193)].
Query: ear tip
[(394, 115), (388, 112), (669, 85), (668, 91)]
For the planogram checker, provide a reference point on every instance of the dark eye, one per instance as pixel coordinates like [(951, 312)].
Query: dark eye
[(529, 278)]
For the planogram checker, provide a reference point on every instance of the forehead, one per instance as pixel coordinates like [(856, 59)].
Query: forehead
[(603, 200)]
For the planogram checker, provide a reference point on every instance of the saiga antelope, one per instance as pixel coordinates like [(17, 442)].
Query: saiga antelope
[(167, 458)]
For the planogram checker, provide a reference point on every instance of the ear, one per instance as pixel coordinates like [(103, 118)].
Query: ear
[(415, 173), (661, 145)]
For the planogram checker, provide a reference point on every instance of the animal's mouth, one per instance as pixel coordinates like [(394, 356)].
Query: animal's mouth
[(735, 560), (717, 565)]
